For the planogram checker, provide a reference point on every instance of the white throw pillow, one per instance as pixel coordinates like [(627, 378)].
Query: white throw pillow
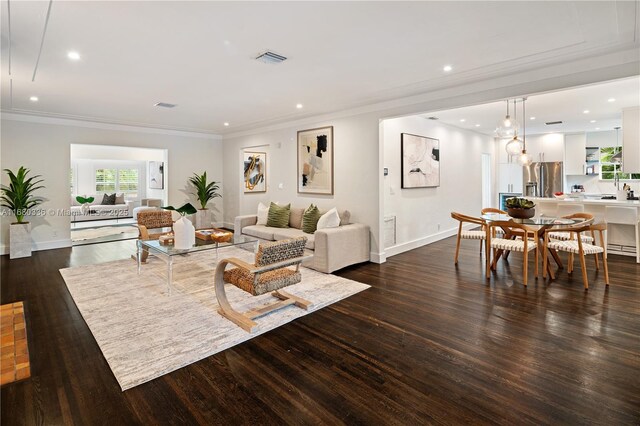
[(330, 219), (263, 212)]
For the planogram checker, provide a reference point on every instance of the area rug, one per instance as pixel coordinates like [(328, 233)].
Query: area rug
[(144, 332), (15, 353), (105, 231)]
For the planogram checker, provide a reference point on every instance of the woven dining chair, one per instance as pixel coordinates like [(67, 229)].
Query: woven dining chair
[(517, 237), (581, 248), (464, 234), (154, 221)]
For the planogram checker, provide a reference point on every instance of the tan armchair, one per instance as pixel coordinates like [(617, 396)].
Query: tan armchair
[(270, 272), (153, 220)]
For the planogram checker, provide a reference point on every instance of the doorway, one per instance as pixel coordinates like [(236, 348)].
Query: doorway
[(487, 182)]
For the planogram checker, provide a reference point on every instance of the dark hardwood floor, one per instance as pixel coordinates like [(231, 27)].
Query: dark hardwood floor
[(428, 343)]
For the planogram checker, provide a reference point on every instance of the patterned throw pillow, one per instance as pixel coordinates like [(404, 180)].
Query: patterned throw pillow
[(278, 216), (109, 200), (310, 219)]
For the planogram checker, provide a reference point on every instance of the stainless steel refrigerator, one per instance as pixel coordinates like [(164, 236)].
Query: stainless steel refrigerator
[(542, 179)]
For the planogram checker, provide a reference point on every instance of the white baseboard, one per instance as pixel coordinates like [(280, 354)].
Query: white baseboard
[(377, 257), (228, 225), (410, 245), (42, 245)]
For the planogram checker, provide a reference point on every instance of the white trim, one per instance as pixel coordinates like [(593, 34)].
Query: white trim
[(95, 123), (377, 257), (414, 244), (42, 245)]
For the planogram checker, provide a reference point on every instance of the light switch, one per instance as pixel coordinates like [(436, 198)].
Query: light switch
[(281, 186)]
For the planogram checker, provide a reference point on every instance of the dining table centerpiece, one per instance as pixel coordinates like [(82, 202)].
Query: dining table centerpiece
[(520, 208)]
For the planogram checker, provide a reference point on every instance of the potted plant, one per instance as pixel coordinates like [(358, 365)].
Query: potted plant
[(18, 197), (205, 192), (520, 208), (183, 230), (85, 203)]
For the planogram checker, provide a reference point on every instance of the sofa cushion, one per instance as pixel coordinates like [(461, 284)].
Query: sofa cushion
[(263, 213), (295, 217), (330, 219), (345, 217), (109, 200), (119, 198), (287, 233), (259, 231), (278, 216), (310, 219)]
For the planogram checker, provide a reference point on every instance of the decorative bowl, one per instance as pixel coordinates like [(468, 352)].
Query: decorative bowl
[(560, 197), (521, 213)]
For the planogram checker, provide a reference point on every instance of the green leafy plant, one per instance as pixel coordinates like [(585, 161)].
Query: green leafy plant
[(83, 200), (519, 203), (204, 191), (18, 196), (183, 210)]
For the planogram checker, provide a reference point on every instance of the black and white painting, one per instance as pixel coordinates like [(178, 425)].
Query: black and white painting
[(420, 158), (315, 161), (156, 175)]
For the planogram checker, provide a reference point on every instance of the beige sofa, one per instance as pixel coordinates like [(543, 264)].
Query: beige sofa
[(333, 248)]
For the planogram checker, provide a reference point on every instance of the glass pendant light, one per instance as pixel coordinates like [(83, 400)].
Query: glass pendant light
[(514, 146), (524, 158), (508, 127)]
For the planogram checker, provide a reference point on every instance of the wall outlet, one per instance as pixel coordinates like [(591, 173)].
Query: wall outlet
[(281, 186), (55, 233)]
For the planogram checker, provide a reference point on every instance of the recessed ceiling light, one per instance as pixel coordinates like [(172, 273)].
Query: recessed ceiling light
[(299, 106), (477, 125), (164, 105), (532, 118), (33, 99), (592, 121), (611, 100), (73, 55), (226, 124), (597, 128), (586, 111), (462, 120), (447, 68)]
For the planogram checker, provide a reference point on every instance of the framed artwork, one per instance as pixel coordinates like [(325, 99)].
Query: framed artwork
[(315, 161), (156, 175), (420, 161), (255, 171)]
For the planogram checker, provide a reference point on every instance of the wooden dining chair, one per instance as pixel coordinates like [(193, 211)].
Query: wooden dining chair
[(489, 210), (566, 235), (517, 237), (466, 234), (581, 248)]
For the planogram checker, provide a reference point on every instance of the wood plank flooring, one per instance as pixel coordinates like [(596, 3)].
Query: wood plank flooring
[(428, 343)]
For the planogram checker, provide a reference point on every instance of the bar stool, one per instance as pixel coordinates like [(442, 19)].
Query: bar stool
[(624, 216)]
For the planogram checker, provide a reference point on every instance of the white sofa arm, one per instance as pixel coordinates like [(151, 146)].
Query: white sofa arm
[(242, 221), (338, 247)]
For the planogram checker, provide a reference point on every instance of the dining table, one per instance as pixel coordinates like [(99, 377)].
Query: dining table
[(539, 226)]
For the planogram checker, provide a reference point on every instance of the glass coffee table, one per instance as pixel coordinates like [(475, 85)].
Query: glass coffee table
[(169, 252)]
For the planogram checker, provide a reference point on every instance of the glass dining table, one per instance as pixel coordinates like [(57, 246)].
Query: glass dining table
[(539, 225)]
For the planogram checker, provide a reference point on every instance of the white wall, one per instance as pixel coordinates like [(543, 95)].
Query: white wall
[(45, 149), (423, 215)]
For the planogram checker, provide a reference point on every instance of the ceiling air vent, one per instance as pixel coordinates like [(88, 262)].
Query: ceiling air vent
[(432, 118), (271, 58), (164, 105), (551, 123)]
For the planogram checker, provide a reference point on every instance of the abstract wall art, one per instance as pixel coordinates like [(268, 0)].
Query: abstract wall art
[(255, 171), (420, 161), (156, 175), (315, 161)]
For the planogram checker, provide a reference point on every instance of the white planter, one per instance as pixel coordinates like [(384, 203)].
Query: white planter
[(621, 195), (203, 219), (184, 234), (19, 240)]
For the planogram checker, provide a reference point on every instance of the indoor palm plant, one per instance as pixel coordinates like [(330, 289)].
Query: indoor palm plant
[(205, 192), (19, 198)]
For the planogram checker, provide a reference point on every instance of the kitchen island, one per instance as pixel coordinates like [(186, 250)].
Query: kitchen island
[(620, 238)]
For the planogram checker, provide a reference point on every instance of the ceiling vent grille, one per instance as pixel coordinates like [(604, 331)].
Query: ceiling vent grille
[(164, 105), (271, 58), (551, 123), (432, 118)]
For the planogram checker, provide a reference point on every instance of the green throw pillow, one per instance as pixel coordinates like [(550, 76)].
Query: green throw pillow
[(310, 219), (278, 216)]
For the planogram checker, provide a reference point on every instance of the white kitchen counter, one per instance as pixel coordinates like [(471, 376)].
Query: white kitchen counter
[(632, 203)]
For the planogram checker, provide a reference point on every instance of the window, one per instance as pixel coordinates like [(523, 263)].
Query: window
[(106, 180), (71, 180), (609, 169), (128, 181)]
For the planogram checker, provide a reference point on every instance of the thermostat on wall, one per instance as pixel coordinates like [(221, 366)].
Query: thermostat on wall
[(386, 171)]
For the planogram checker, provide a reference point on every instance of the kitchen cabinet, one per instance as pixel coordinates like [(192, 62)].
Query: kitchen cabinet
[(510, 177), (549, 147), (631, 140), (575, 146)]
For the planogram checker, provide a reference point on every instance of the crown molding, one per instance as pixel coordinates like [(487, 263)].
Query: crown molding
[(60, 120)]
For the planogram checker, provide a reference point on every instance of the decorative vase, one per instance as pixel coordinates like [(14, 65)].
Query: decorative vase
[(521, 213), (203, 219), (85, 208), (184, 234), (19, 240)]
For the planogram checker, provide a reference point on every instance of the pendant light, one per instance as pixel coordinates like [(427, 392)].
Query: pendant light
[(507, 128), (514, 146), (524, 159), (617, 157)]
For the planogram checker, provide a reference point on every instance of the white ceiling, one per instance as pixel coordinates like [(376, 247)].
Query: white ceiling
[(341, 54), (567, 106)]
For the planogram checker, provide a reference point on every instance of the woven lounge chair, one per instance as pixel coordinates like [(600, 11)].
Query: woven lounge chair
[(270, 272), (154, 221)]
